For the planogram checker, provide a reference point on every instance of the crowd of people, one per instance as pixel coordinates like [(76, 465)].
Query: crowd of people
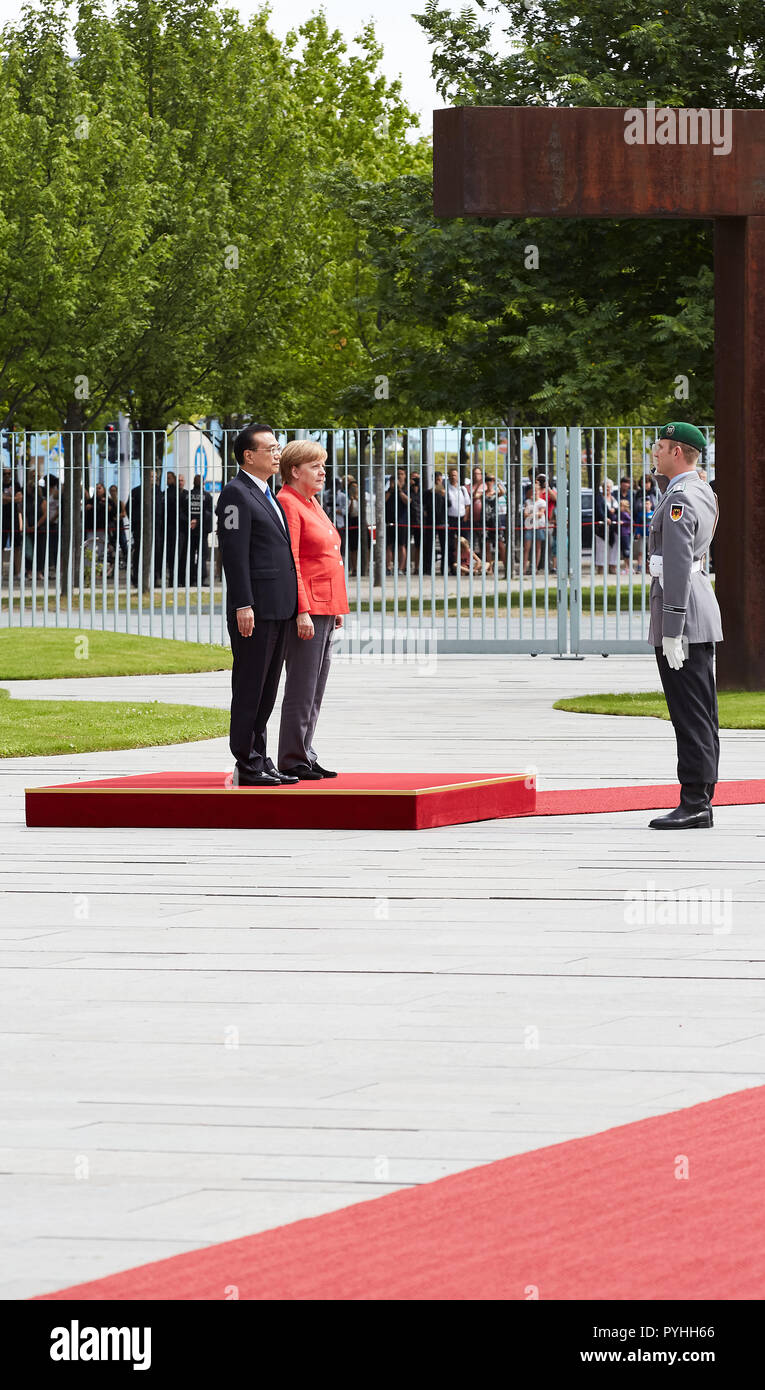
[(621, 520), (459, 524), (181, 525)]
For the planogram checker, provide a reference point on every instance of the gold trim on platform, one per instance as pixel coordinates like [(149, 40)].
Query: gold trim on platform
[(224, 791)]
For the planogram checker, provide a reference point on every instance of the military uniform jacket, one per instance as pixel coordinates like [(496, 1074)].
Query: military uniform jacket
[(683, 602)]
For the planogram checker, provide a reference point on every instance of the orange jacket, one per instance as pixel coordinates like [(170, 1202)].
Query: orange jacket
[(318, 551)]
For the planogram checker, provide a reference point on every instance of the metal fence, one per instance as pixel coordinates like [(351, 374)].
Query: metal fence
[(480, 539)]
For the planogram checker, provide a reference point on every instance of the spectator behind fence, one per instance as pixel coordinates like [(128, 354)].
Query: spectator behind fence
[(415, 519), (397, 522), (177, 526), (117, 527), (36, 512), (643, 504), (606, 529), (94, 522), (550, 496), (334, 500), (477, 497), (52, 493), (534, 528), (156, 535), (495, 520), (13, 521), (200, 528), (352, 493), (457, 503), (434, 525)]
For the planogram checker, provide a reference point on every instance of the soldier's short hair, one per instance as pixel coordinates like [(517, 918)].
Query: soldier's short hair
[(689, 454)]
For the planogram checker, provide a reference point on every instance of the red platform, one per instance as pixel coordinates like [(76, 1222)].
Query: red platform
[(354, 801)]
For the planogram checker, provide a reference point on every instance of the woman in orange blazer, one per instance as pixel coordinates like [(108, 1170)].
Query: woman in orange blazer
[(322, 600)]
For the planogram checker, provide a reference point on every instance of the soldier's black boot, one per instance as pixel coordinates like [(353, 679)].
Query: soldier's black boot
[(693, 813)]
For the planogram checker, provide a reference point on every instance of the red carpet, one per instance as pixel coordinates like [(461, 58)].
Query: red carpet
[(596, 1218), (596, 800), (353, 801)]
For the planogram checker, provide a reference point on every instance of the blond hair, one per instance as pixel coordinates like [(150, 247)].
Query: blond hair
[(298, 452), (689, 453)]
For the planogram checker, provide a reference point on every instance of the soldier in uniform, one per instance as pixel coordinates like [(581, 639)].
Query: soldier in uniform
[(685, 619)]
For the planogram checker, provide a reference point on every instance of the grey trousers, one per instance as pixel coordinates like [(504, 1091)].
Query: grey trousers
[(307, 666)]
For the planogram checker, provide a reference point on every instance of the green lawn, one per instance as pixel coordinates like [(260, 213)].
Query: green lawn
[(40, 653), (34, 728), (739, 709)]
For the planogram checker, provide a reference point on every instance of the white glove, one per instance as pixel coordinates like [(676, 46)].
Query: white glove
[(672, 648)]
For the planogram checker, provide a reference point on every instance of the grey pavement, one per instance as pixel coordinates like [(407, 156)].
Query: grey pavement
[(211, 1033)]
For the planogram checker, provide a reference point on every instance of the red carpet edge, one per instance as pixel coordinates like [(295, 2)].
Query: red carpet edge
[(664, 1208)]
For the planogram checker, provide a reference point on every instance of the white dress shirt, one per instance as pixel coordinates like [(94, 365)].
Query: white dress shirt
[(265, 488)]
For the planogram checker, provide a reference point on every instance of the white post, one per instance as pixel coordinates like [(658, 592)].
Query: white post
[(123, 425)]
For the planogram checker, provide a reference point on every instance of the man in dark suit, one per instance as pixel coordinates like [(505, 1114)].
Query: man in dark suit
[(146, 501), (261, 600), (200, 526)]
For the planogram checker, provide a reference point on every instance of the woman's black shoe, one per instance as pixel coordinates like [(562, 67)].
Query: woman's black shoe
[(323, 772), (304, 773)]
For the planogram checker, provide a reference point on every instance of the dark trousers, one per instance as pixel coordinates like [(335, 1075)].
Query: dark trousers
[(692, 703), (258, 662), (307, 662)]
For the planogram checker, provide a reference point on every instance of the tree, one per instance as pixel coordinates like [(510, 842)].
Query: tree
[(614, 313), (75, 201), (166, 244)]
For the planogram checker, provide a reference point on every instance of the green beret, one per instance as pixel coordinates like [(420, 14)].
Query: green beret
[(679, 432)]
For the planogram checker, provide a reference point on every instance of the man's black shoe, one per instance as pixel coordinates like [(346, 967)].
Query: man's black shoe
[(254, 779), (322, 771), (684, 819), (304, 773), (286, 778)]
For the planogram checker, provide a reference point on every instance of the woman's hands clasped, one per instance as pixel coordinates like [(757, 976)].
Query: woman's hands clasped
[(304, 626)]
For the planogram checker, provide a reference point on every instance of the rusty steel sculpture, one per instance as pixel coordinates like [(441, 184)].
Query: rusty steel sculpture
[(660, 162)]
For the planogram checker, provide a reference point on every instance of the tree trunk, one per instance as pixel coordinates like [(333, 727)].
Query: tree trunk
[(463, 458), (72, 498), (378, 475), (363, 474)]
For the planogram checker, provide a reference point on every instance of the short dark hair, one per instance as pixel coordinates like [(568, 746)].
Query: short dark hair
[(244, 440)]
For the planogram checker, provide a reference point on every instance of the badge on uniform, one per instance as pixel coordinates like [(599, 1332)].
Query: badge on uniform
[(676, 511)]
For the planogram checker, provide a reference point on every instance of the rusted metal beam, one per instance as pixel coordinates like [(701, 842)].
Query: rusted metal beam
[(740, 449), (542, 161)]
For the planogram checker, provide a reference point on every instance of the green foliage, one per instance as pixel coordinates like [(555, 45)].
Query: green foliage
[(166, 246), (615, 312)]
